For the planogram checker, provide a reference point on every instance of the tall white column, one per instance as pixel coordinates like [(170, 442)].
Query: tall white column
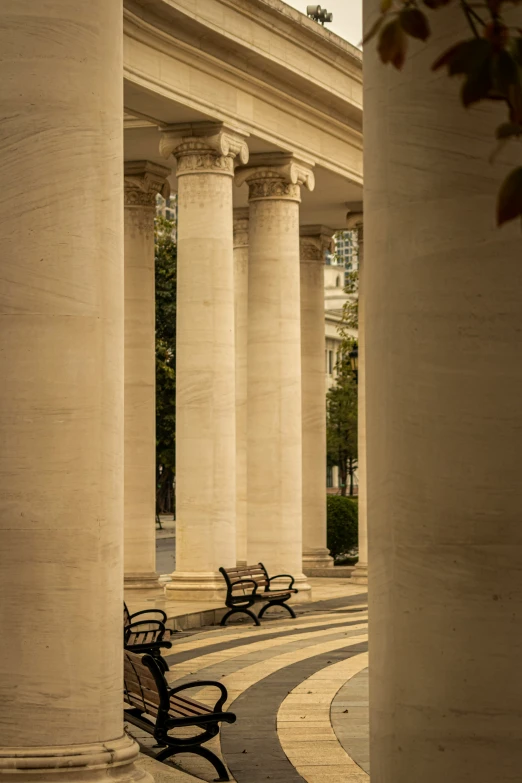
[(443, 293), (360, 572), (241, 333), (143, 181), (274, 456), (61, 394), (315, 241), (205, 358)]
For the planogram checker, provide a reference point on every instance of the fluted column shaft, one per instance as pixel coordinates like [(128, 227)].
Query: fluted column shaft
[(61, 395), (205, 360), (274, 455), (443, 293), (143, 181), (360, 572), (241, 334), (315, 240)]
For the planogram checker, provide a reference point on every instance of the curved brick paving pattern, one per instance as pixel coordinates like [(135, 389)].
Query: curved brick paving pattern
[(288, 682), (350, 717)]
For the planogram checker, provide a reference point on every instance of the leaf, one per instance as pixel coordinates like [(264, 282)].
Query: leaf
[(374, 29), (507, 130), (386, 5), (505, 73), (433, 4), (515, 103), (415, 23), (392, 44), (477, 85), (465, 57), (509, 204)]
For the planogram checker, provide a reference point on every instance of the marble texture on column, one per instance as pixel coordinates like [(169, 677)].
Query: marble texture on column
[(61, 395), (443, 293), (241, 335), (143, 181), (274, 453), (315, 241), (205, 358), (360, 572)]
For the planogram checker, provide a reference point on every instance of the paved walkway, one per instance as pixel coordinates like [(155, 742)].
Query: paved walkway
[(298, 688)]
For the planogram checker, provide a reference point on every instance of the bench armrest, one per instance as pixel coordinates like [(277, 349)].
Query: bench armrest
[(145, 626), (218, 706), (162, 615), (285, 576)]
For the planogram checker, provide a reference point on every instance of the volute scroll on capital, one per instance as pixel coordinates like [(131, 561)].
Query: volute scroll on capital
[(276, 176), (143, 181), (314, 242), (241, 215), (204, 148)]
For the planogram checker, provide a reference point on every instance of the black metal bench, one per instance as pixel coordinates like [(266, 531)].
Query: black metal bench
[(147, 693), (249, 585), (146, 635)]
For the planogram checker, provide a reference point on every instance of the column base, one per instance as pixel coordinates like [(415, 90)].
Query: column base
[(190, 586), (360, 574), (100, 762), (317, 558), (146, 581)]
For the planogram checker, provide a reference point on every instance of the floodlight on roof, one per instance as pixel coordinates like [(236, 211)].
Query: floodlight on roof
[(319, 14)]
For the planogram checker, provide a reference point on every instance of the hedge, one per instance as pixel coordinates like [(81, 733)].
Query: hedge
[(342, 524)]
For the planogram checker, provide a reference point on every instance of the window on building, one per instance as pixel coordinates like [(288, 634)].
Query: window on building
[(329, 477), (337, 281), (330, 362)]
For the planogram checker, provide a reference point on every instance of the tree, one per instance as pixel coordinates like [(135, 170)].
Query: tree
[(490, 61), (165, 273), (341, 424)]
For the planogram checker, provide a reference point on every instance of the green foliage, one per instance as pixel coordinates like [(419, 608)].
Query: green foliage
[(490, 63), (341, 425), (165, 271), (342, 525)]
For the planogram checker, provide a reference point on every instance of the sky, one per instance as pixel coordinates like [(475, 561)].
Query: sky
[(347, 17)]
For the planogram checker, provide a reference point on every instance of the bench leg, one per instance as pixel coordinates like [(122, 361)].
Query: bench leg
[(205, 752), (239, 611), (276, 603)]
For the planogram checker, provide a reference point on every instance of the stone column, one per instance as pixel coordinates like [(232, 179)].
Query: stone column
[(241, 333), (205, 358), (274, 455), (143, 181), (61, 394), (443, 293), (360, 572), (315, 241)]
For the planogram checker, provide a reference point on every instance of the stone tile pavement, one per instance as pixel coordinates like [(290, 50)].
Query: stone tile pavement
[(298, 688)]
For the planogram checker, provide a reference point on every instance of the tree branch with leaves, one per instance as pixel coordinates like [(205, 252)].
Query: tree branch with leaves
[(489, 61)]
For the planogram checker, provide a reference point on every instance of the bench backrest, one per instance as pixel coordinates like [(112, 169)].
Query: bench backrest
[(256, 572), (144, 684)]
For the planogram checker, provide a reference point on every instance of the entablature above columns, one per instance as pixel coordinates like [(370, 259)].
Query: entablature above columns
[(172, 64)]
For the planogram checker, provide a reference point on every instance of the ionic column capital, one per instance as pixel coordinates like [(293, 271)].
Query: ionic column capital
[(241, 227), (143, 181), (314, 241), (204, 147), (276, 176), (354, 219)]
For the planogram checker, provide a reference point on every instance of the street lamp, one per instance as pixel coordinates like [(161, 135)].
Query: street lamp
[(354, 360)]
